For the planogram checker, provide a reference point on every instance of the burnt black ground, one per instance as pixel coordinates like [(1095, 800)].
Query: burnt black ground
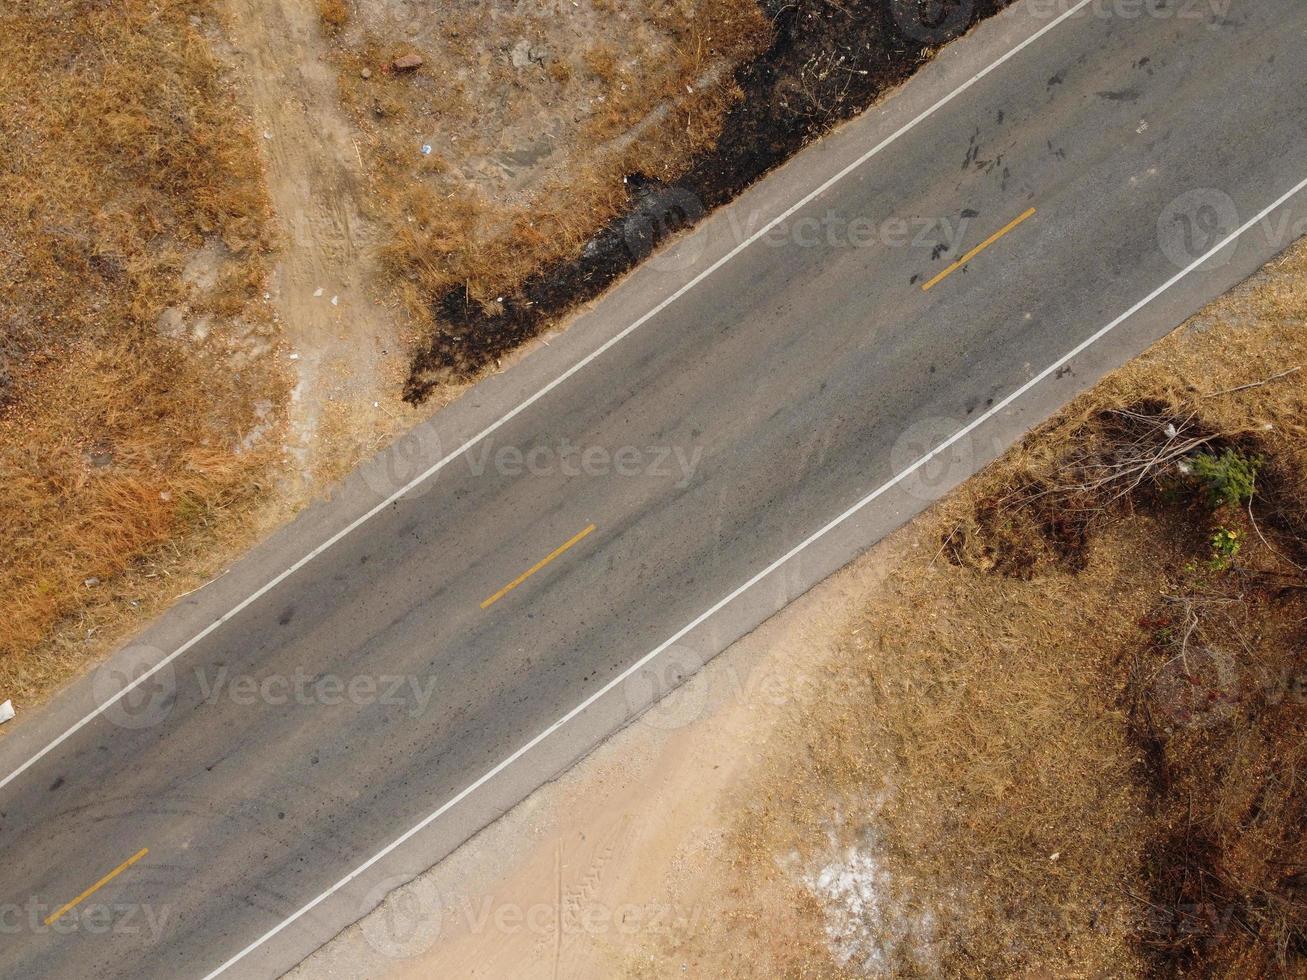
[(827, 63)]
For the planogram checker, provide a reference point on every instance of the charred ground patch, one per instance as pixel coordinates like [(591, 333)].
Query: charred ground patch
[(826, 63)]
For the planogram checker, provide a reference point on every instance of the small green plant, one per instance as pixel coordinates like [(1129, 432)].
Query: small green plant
[(1225, 546), (1228, 479)]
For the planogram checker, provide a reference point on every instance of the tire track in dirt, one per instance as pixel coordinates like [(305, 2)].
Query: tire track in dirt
[(346, 348)]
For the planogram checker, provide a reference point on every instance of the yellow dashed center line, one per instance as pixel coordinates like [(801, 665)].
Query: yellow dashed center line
[(98, 885), (536, 567), (977, 250)]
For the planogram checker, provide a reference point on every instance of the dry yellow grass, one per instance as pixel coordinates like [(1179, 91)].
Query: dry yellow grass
[(124, 155), (1061, 740), (637, 113)]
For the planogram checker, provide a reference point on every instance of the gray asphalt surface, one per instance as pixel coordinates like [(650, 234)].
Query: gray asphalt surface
[(326, 719)]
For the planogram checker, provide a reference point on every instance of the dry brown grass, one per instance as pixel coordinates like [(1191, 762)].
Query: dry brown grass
[(334, 14), (637, 113), (1028, 733), (124, 155)]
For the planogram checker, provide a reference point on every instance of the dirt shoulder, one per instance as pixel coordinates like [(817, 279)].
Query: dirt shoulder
[(1051, 727), (218, 250)]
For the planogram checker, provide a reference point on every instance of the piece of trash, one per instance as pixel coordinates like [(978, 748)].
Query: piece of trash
[(294, 357), (6, 712), (318, 291), (335, 300), (267, 135), (426, 149), (91, 582)]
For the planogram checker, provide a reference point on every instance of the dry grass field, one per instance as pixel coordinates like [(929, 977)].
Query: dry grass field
[(1068, 737), (217, 237), (507, 148), (138, 403)]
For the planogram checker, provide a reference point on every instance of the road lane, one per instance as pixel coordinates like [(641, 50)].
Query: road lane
[(790, 377)]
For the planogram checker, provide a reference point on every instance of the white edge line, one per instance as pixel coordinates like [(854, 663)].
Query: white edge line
[(521, 407), (805, 543), (801, 546)]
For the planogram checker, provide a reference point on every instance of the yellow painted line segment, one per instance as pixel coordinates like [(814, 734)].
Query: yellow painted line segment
[(978, 249), (98, 885), (536, 567)]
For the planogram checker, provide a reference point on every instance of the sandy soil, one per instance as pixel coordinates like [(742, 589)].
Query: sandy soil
[(543, 893), (346, 348)]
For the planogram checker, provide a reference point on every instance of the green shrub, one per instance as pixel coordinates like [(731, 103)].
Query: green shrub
[(1229, 478), (1225, 546)]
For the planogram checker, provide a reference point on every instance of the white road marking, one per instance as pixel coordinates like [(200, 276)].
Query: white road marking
[(523, 406), (805, 543)]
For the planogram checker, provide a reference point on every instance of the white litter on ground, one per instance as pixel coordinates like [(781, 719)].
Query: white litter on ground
[(868, 927), (6, 712)]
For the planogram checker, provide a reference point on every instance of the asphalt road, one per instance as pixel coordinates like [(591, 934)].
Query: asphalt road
[(376, 685)]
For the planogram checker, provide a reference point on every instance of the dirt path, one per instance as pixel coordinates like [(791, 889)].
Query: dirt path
[(346, 348)]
